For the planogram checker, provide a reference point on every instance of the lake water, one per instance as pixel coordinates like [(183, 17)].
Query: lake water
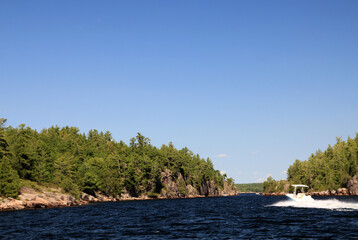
[(240, 217)]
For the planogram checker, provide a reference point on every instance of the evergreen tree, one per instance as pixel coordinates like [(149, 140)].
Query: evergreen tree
[(9, 179), (3, 143), (94, 162), (329, 169)]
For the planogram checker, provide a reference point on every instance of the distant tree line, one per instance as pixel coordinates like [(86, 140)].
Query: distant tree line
[(325, 170), (250, 187), (272, 186), (79, 162)]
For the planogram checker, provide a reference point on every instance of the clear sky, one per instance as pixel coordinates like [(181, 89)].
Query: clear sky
[(253, 85)]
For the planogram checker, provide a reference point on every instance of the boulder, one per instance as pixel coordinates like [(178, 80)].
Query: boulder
[(88, 198), (11, 204), (324, 193), (342, 191), (143, 197), (352, 186), (125, 194), (102, 197)]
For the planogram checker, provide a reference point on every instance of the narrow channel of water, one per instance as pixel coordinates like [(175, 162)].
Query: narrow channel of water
[(245, 216)]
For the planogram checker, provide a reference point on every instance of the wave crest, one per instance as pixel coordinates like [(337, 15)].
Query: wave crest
[(331, 204)]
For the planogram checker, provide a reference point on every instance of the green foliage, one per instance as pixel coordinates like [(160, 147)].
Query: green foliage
[(153, 195), (324, 170), (94, 162), (328, 170), (9, 179), (270, 185), (31, 184), (250, 187), (3, 142)]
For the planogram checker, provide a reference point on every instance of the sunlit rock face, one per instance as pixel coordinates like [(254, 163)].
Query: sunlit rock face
[(178, 187), (352, 186)]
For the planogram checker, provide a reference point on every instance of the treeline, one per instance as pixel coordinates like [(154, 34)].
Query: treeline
[(250, 187), (325, 170), (273, 186), (93, 162)]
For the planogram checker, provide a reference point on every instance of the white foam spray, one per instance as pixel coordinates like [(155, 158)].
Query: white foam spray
[(331, 204)]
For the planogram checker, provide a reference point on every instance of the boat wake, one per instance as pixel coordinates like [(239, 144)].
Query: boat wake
[(331, 204)]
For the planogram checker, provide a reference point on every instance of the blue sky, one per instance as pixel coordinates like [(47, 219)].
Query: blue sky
[(253, 85)]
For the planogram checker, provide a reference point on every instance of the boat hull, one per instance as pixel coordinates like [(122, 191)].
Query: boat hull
[(300, 197)]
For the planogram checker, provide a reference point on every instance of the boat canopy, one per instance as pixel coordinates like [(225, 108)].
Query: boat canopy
[(299, 185)]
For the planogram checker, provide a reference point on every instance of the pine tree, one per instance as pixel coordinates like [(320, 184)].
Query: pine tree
[(3, 143), (9, 179)]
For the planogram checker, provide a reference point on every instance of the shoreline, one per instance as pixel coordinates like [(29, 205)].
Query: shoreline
[(310, 194), (343, 192), (42, 200)]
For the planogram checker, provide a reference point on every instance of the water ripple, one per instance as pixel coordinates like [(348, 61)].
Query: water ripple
[(242, 217)]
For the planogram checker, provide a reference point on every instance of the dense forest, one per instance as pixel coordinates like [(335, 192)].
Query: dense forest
[(325, 170), (79, 162), (250, 187)]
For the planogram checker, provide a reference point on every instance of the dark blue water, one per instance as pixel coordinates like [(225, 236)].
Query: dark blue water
[(241, 217)]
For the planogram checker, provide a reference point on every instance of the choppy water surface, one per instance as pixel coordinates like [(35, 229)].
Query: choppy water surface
[(244, 216)]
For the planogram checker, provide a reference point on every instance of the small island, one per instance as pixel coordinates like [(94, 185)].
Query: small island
[(62, 167)]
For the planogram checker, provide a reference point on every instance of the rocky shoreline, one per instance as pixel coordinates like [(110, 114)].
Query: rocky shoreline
[(42, 197), (351, 189), (30, 198), (174, 187), (338, 192)]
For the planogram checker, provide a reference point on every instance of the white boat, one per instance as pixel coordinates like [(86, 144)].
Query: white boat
[(299, 195)]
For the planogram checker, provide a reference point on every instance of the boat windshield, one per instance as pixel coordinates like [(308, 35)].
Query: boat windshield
[(300, 188)]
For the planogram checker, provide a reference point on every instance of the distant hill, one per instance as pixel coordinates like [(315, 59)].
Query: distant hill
[(250, 187)]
